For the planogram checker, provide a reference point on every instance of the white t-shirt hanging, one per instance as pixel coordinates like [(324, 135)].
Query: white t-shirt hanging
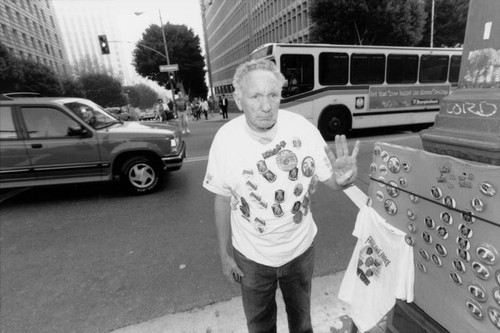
[(380, 270), (270, 185)]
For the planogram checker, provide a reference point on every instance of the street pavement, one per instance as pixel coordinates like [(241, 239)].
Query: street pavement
[(329, 315)]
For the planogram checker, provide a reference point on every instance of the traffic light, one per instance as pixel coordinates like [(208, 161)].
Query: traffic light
[(103, 43)]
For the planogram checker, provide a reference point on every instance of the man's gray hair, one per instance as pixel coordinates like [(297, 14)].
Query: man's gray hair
[(252, 65)]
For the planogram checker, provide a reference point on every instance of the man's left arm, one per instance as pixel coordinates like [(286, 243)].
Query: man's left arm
[(344, 165)]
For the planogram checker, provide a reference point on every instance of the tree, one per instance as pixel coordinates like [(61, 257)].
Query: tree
[(72, 87), (183, 49), (450, 21), (103, 89), (367, 22), (141, 96), (26, 75)]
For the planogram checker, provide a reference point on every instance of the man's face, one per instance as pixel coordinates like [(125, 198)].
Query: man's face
[(259, 99)]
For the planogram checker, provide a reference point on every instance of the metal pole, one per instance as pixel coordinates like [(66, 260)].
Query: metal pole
[(168, 63), (432, 24)]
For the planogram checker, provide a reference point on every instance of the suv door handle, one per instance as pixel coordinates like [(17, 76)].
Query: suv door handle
[(36, 145)]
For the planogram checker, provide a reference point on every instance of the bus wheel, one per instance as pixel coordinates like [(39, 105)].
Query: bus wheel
[(333, 121)]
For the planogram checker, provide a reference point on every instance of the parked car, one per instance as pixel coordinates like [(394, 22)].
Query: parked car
[(61, 140), (118, 113)]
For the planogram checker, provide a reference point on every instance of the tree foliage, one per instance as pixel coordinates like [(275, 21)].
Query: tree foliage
[(183, 49), (450, 21), (103, 89), (26, 75), (141, 96), (367, 22)]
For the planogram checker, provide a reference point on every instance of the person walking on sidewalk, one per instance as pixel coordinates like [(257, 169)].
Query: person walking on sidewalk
[(161, 111), (211, 106), (223, 106), (204, 108), (182, 111), (263, 167)]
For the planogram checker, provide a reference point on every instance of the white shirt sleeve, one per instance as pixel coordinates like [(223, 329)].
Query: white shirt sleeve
[(215, 180)]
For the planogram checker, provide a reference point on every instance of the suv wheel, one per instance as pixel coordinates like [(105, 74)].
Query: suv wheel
[(141, 175)]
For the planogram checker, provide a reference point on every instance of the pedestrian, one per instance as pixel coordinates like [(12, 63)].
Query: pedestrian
[(211, 106), (204, 108), (182, 112), (196, 109), (170, 105), (223, 106), (263, 167), (161, 111)]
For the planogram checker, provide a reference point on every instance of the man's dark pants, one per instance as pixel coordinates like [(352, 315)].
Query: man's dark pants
[(258, 288)]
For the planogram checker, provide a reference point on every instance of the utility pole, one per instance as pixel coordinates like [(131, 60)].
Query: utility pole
[(168, 63)]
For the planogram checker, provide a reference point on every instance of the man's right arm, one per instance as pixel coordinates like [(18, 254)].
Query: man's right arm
[(223, 226)]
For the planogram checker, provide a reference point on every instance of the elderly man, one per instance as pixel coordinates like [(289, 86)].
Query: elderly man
[(263, 168)]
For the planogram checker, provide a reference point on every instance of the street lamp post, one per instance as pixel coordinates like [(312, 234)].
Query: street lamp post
[(166, 56), (432, 24), (168, 63)]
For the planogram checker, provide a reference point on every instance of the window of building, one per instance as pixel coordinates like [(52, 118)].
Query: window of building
[(333, 68), (9, 14), (367, 68), (402, 68), (433, 68)]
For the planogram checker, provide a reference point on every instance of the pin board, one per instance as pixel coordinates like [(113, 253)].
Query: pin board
[(450, 210)]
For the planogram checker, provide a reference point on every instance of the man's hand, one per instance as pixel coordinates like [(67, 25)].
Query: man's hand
[(345, 168), (229, 268)]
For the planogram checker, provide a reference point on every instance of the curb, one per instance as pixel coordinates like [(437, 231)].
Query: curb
[(329, 314)]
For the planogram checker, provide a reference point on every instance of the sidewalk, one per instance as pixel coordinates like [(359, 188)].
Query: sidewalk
[(329, 315)]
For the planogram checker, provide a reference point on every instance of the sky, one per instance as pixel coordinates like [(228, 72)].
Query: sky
[(185, 12)]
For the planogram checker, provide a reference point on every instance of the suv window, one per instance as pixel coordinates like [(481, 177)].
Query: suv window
[(92, 114), (45, 122), (7, 128)]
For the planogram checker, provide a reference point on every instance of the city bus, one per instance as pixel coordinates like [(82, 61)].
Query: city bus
[(344, 87)]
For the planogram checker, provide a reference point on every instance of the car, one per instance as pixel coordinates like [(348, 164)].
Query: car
[(64, 140), (118, 113), (19, 94)]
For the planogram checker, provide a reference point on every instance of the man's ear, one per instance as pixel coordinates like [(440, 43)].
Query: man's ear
[(237, 100)]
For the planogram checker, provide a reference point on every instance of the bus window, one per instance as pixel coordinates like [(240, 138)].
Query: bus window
[(298, 70), (433, 68), (402, 68), (454, 68), (367, 68), (333, 68)]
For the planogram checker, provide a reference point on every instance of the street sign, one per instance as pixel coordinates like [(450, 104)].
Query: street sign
[(169, 68)]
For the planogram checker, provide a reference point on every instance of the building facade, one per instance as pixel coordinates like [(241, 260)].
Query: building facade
[(234, 28), (30, 30), (80, 26)]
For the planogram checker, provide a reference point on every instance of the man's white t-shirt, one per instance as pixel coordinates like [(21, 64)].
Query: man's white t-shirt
[(380, 270), (270, 185)]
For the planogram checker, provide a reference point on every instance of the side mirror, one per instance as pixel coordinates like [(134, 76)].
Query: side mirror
[(78, 131)]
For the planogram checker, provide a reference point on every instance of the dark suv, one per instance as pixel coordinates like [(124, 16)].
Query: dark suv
[(62, 140)]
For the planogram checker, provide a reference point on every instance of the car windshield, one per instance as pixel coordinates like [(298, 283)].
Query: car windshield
[(92, 114)]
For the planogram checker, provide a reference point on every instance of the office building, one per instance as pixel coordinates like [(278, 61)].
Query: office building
[(234, 28), (30, 30)]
